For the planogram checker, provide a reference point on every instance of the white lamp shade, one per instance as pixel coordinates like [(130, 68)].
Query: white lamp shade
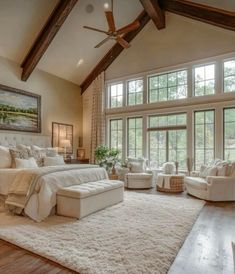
[(65, 143)]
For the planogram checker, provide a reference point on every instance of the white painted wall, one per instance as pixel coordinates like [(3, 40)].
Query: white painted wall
[(61, 100), (183, 40)]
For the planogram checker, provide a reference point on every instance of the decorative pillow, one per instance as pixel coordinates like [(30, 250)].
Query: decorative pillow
[(38, 155), (21, 146), (136, 167), (54, 161), (36, 147), (222, 170), (212, 171), (5, 157), (18, 153), (26, 163), (51, 152), (168, 168)]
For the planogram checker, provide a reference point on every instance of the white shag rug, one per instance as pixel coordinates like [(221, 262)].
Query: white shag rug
[(141, 235)]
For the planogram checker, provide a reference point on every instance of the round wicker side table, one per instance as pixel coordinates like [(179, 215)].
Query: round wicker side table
[(176, 183)]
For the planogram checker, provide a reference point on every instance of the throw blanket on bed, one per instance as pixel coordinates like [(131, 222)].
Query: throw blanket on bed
[(25, 184)]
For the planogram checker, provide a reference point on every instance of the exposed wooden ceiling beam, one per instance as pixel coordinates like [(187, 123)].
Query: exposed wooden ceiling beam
[(207, 14), (48, 32), (155, 12), (113, 53)]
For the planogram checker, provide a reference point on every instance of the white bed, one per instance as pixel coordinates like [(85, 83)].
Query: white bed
[(43, 197)]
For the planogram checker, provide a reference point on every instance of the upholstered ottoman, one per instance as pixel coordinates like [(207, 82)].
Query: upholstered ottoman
[(81, 200), (138, 180)]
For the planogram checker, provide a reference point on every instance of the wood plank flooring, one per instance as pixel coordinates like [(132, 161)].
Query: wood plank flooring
[(207, 249)]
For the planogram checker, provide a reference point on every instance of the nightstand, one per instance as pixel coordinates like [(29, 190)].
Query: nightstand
[(77, 161)]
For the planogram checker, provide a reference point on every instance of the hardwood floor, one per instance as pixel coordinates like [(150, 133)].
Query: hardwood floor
[(207, 249), (15, 260)]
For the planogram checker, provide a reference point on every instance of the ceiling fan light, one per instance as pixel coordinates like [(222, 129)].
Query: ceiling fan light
[(80, 62), (106, 6)]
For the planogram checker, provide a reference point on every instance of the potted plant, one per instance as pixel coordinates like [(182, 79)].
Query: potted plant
[(107, 157)]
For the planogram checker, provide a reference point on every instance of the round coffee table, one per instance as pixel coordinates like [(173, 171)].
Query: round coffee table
[(170, 182)]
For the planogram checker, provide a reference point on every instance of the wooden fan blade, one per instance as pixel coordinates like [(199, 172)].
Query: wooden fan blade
[(102, 42), (128, 28), (99, 30), (123, 42), (110, 20)]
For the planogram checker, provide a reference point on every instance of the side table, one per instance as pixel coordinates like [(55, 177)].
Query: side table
[(113, 177), (77, 161), (170, 182)]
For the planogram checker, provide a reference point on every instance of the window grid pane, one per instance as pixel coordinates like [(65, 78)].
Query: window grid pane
[(116, 95), (229, 134), (115, 135), (135, 140), (168, 145), (135, 92), (204, 80), (204, 140), (169, 86), (229, 76)]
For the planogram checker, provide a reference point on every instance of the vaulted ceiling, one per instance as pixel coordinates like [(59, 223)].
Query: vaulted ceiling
[(22, 20)]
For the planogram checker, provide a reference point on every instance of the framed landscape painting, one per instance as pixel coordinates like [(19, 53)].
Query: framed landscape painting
[(19, 110)]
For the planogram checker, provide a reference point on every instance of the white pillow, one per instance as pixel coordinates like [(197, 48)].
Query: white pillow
[(54, 161), (168, 168), (222, 170), (5, 157), (52, 152), (26, 163), (136, 167), (22, 146), (49, 151), (212, 171)]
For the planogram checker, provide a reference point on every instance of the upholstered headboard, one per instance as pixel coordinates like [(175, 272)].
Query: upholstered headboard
[(12, 139)]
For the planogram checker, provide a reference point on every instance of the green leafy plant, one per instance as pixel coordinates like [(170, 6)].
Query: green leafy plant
[(106, 157)]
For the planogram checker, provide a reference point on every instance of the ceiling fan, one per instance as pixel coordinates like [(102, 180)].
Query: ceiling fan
[(112, 32)]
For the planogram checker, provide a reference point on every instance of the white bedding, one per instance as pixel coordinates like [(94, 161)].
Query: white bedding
[(7, 175), (43, 200)]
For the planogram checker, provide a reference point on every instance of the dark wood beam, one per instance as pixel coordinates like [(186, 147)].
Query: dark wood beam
[(155, 12), (214, 16), (114, 52), (48, 32)]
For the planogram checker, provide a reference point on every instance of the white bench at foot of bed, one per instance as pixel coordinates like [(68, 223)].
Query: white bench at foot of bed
[(81, 200)]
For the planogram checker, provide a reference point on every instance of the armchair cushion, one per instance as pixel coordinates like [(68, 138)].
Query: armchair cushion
[(196, 182), (136, 165)]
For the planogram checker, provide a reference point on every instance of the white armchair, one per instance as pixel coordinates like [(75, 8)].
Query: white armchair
[(136, 175)]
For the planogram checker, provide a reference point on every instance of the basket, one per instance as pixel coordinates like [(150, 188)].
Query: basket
[(176, 185)]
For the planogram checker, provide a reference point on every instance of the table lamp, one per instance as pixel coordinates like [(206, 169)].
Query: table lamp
[(65, 144)]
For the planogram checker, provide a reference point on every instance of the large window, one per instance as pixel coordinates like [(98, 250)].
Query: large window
[(116, 95), (135, 92), (169, 86), (116, 135), (229, 133), (229, 76), (204, 80), (135, 142), (204, 132), (168, 139)]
